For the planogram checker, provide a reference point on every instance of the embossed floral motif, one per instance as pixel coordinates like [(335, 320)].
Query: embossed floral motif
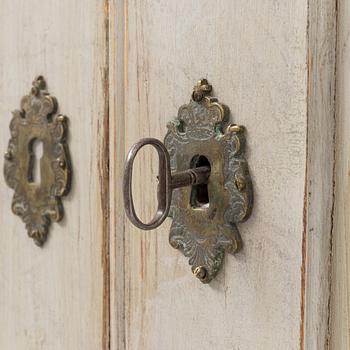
[(205, 233), (38, 203)]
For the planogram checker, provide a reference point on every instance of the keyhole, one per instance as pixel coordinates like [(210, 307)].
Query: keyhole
[(199, 193), (36, 151)]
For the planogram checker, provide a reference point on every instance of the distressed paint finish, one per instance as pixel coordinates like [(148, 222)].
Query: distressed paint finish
[(273, 64), (319, 175), (52, 298), (254, 53), (117, 84), (340, 300)]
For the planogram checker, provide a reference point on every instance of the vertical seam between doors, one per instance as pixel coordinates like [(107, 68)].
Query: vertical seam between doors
[(105, 186), (330, 284)]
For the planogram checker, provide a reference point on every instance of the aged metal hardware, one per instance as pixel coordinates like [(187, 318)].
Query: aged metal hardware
[(38, 202), (204, 182), (167, 182)]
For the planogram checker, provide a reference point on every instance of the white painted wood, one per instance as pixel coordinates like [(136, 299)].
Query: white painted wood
[(340, 306), (319, 174), (53, 298), (272, 63), (100, 283), (117, 63)]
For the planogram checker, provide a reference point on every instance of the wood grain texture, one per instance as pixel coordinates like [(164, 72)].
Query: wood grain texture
[(319, 175), (54, 297), (117, 64), (255, 55), (340, 299)]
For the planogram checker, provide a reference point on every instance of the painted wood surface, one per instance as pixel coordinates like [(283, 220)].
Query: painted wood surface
[(272, 63), (120, 70), (340, 306), (318, 219), (117, 83), (55, 297)]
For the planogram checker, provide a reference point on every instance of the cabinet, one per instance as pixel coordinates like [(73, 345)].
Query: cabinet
[(120, 70)]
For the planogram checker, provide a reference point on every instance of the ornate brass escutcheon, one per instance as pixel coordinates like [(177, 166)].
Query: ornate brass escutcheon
[(39, 184), (204, 182)]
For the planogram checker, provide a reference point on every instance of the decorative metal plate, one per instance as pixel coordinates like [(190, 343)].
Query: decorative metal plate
[(205, 218), (38, 203)]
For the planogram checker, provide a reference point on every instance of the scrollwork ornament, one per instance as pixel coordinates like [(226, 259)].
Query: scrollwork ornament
[(38, 204), (205, 233)]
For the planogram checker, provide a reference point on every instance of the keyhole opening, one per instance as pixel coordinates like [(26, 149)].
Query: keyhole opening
[(36, 151), (199, 193)]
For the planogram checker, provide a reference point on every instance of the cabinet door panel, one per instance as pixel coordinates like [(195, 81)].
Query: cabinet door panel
[(272, 63), (54, 297)]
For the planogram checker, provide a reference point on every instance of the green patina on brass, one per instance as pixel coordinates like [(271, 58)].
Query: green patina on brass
[(204, 183), (205, 229), (38, 203)]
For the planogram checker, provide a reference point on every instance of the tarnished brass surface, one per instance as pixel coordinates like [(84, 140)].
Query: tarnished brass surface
[(204, 182), (204, 233), (38, 203)]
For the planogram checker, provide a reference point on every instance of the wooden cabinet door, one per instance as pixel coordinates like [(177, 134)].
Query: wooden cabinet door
[(272, 63), (55, 297), (120, 69)]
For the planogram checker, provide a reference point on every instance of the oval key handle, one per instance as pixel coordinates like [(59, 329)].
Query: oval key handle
[(166, 183)]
